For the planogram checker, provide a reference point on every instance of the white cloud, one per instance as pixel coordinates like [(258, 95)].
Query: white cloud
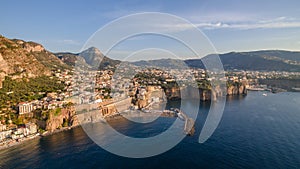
[(280, 22), (223, 16)]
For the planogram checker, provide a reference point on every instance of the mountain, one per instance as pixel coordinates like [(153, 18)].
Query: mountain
[(48, 59), (265, 60), (171, 63), (269, 60), (71, 59), (19, 59), (280, 54), (91, 57)]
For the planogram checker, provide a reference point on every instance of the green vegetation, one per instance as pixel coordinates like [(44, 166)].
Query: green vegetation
[(57, 112), (15, 91), (47, 60), (39, 114), (65, 123), (204, 84), (229, 84)]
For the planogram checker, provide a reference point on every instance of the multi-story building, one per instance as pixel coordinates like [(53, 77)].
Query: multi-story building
[(25, 107)]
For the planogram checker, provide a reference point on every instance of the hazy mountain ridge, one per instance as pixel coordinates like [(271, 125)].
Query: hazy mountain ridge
[(174, 63), (265, 60), (268, 60)]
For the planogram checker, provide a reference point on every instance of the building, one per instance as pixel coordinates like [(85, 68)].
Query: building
[(5, 134), (2, 127), (25, 107), (31, 128)]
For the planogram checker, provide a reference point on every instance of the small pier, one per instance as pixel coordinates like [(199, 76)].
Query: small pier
[(189, 125)]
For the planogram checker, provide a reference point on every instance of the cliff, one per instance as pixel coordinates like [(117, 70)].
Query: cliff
[(175, 93), (237, 90), (61, 118)]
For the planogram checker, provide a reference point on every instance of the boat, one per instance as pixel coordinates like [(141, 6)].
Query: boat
[(264, 94)]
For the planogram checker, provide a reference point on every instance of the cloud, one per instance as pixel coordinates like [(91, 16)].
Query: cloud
[(280, 22), (177, 26)]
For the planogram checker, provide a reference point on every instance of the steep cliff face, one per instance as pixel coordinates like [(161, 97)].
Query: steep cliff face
[(173, 93), (237, 90), (141, 103), (204, 94), (63, 118)]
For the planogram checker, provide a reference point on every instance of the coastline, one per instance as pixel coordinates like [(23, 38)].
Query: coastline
[(116, 116), (13, 143)]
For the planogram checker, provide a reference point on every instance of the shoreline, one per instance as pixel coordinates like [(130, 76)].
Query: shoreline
[(59, 130), (13, 143)]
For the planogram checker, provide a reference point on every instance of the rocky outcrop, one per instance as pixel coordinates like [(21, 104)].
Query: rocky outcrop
[(59, 119), (204, 94), (30, 46), (237, 90), (141, 103)]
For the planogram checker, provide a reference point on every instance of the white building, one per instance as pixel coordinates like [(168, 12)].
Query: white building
[(25, 108), (5, 134), (31, 128)]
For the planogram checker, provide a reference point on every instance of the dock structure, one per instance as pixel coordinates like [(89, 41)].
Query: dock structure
[(189, 125)]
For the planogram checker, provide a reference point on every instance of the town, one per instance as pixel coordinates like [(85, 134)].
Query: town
[(136, 87)]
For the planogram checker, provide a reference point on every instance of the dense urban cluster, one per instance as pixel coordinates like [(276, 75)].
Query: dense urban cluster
[(104, 86), (17, 118)]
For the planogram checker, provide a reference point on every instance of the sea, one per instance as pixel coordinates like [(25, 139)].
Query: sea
[(256, 131)]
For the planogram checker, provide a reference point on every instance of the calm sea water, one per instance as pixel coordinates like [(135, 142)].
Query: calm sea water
[(256, 131)]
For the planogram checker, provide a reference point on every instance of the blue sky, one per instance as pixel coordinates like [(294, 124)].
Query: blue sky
[(231, 25)]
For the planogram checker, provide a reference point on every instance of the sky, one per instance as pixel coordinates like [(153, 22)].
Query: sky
[(232, 25)]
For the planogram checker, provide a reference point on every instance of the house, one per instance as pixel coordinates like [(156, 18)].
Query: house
[(25, 107), (5, 134), (31, 128), (2, 127)]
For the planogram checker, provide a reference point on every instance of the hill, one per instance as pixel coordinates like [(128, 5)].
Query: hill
[(21, 59), (172, 63), (71, 59), (17, 60), (268, 60), (91, 57), (96, 59)]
